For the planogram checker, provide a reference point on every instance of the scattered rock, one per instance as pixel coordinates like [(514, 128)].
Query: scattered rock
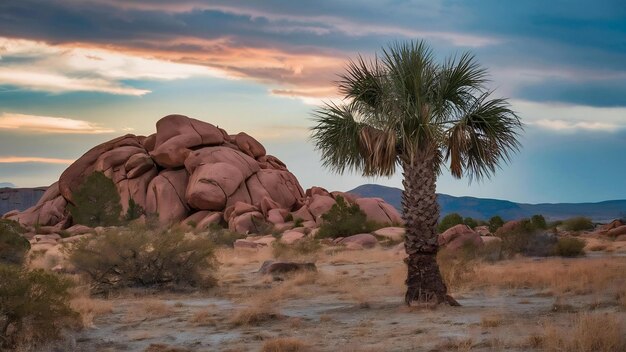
[(392, 233), (271, 267), (291, 237), (617, 231), (360, 241)]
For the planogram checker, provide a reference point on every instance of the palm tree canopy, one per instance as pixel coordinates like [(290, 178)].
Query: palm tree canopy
[(403, 107)]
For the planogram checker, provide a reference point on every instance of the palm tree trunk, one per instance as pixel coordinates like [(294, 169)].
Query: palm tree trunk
[(421, 213)]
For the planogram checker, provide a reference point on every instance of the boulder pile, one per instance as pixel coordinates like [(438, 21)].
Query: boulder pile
[(195, 173)]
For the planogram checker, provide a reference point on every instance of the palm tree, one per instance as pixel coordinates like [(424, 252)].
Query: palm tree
[(404, 109)]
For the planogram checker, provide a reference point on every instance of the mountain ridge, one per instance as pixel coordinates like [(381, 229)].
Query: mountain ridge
[(485, 208)]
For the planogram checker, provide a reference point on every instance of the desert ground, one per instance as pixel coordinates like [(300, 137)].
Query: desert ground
[(354, 302)]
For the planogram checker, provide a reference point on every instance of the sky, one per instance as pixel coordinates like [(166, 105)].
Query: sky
[(77, 73)]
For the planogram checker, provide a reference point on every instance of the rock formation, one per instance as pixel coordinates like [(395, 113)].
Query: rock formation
[(195, 173)]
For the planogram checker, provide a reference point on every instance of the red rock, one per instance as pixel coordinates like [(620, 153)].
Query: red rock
[(612, 225), (303, 213), (247, 245), (238, 209), (377, 210), (138, 164), (618, 231), (79, 230), (277, 216), (212, 218), (291, 237), (319, 205), (166, 196), (363, 240), (459, 236), (249, 145), (271, 162), (246, 223), (73, 176), (195, 218), (221, 154), (348, 197), (149, 142), (317, 191), (117, 156), (509, 226), (211, 184), (392, 233)]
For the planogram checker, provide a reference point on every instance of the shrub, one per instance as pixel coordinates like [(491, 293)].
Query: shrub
[(140, 257), (449, 221), (470, 222), (570, 247), (223, 237), (13, 247), (495, 223), (96, 202), (526, 239), (34, 307), (302, 247), (579, 223), (134, 211), (344, 220), (538, 222)]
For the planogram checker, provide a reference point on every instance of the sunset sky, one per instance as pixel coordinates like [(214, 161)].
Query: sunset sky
[(77, 73)]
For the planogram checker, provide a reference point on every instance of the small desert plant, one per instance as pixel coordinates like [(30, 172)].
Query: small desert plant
[(96, 202), (134, 211), (471, 222), (298, 222), (343, 220), (570, 247), (284, 344), (13, 247), (34, 307), (223, 237), (495, 223), (538, 222), (255, 315), (579, 223), (302, 247), (527, 240), (139, 257), (449, 221)]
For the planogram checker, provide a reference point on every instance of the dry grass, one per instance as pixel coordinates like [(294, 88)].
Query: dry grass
[(148, 309), (89, 308), (588, 332), (560, 276), (375, 255), (204, 317), (491, 321), (255, 315), (284, 344), (460, 345)]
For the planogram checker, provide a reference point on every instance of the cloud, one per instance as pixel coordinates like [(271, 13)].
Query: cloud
[(33, 159), (570, 117), (563, 125), (48, 124), (61, 68)]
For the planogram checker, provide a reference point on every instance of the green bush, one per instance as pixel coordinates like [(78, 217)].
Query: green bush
[(495, 223), (34, 307), (344, 220), (96, 202), (570, 247), (527, 240), (579, 223), (134, 211), (139, 257), (449, 221), (470, 222), (223, 237), (13, 247), (538, 222)]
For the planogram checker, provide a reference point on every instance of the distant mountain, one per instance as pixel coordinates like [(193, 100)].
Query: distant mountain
[(19, 198), (6, 185), (482, 208)]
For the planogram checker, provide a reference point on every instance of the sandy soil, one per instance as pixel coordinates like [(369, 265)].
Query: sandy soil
[(354, 303)]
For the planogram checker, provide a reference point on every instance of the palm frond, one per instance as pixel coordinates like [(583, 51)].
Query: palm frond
[(379, 151), (485, 135)]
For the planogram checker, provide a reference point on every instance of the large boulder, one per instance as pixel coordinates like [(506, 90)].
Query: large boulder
[(193, 172), (360, 241), (459, 236), (379, 211), (617, 231)]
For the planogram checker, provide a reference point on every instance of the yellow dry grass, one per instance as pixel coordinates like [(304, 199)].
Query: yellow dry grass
[(588, 332), (284, 344), (89, 308), (148, 309), (560, 276)]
